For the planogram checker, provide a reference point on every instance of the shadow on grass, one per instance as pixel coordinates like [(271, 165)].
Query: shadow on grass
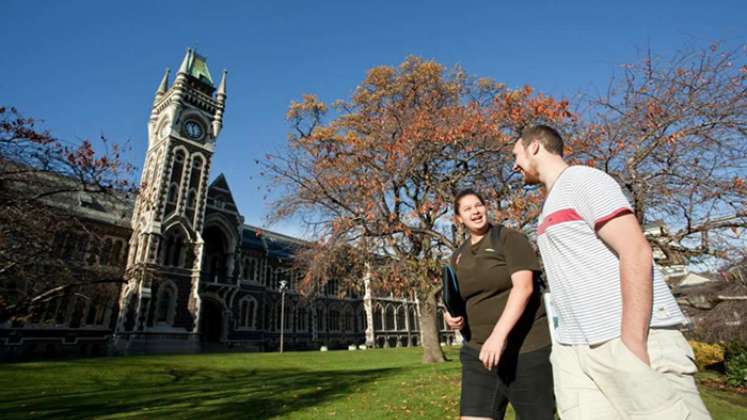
[(194, 393)]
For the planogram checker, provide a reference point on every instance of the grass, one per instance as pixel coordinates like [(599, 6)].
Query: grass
[(363, 384)]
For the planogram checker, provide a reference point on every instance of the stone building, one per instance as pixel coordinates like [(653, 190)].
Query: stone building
[(197, 277)]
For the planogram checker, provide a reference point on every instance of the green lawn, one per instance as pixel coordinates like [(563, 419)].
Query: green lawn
[(363, 384)]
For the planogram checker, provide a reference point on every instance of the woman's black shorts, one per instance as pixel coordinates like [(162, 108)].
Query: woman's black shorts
[(525, 380)]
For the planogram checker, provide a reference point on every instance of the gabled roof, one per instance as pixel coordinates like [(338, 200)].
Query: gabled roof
[(220, 196), (221, 183)]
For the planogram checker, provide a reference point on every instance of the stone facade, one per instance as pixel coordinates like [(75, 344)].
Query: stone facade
[(197, 277)]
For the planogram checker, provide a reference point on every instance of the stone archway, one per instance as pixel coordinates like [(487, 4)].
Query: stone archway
[(211, 321)]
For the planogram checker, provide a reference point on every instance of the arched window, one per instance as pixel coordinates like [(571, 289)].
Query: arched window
[(320, 319), (82, 247), (300, 316), (117, 257), (172, 254), (389, 318), (97, 311), (166, 303), (172, 197), (276, 317), (248, 312), (333, 320), (252, 275), (268, 316), (290, 323), (347, 319), (413, 319), (361, 323), (77, 315), (194, 179), (401, 325), (94, 249), (378, 316), (91, 314), (105, 258), (69, 249), (172, 194), (191, 198)]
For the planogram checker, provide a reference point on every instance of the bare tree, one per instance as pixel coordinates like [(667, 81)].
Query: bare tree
[(672, 132), (39, 178)]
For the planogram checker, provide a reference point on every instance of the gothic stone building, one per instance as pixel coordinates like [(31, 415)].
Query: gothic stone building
[(198, 278)]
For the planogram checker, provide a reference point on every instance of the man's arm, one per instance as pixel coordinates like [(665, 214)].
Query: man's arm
[(623, 234)]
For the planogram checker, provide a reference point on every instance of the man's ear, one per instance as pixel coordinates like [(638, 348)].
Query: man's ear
[(534, 147)]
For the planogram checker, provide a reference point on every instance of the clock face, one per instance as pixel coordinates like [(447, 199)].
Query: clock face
[(193, 129)]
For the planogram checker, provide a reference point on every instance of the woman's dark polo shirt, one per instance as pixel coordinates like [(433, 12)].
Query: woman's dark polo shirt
[(484, 274)]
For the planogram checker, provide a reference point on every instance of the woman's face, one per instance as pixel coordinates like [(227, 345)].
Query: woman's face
[(472, 213)]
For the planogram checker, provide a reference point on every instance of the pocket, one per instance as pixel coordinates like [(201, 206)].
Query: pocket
[(671, 354), (632, 357), (565, 386), (630, 384)]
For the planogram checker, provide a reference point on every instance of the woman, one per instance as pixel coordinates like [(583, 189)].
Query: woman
[(507, 350)]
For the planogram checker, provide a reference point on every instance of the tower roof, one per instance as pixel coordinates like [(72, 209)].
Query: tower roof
[(195, 65)]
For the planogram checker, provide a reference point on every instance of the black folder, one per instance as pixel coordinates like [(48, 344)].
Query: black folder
[(452, 298)]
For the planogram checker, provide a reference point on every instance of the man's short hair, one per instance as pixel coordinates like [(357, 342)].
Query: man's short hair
[(548, 137)]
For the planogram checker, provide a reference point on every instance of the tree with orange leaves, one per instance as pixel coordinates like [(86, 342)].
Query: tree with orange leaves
[(377, 181), (674, 134)]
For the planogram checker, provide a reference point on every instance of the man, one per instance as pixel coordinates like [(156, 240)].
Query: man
[(619, 352)]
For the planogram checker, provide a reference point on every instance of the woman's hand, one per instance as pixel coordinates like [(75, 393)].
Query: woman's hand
[(455, 323), (491, 351)]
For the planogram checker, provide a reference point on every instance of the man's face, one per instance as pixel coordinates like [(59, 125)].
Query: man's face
[(525, 163)]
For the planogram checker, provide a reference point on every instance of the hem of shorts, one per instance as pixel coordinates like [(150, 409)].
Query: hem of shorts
[(476, 414)]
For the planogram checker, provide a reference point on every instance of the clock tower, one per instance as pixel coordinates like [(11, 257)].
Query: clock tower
[(160, 303)]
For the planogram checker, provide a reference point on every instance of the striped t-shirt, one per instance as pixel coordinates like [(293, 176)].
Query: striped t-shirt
[(583, 273)]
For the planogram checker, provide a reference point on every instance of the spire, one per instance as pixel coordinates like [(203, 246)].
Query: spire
[(222, 86), (186, 63), (164, 85), (220, 97)]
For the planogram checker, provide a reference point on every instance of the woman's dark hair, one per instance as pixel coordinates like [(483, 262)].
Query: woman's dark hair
[(463, 193)]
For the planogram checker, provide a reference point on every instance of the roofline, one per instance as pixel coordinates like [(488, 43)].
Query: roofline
[(279, 235)]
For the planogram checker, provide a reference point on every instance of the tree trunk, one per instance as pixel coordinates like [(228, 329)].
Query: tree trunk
[(432, 352)]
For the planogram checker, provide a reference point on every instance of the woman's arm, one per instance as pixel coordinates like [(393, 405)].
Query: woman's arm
[(522, 289)]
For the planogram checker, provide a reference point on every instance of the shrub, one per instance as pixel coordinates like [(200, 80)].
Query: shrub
[(735, 356), (706, 354)]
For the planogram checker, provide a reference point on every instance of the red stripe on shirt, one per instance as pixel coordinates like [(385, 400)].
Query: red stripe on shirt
[(560, 216), (602, 220)]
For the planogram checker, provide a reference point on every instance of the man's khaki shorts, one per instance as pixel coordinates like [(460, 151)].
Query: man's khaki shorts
[(608, 381)]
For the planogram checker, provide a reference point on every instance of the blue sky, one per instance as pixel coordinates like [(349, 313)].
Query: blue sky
[(91, 67)]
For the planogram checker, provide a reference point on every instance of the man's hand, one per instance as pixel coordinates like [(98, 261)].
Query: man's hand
[(637, 347), (455, 323), (491, 351)]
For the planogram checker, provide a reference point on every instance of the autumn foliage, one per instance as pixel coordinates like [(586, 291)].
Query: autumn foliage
[(377, 178)]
